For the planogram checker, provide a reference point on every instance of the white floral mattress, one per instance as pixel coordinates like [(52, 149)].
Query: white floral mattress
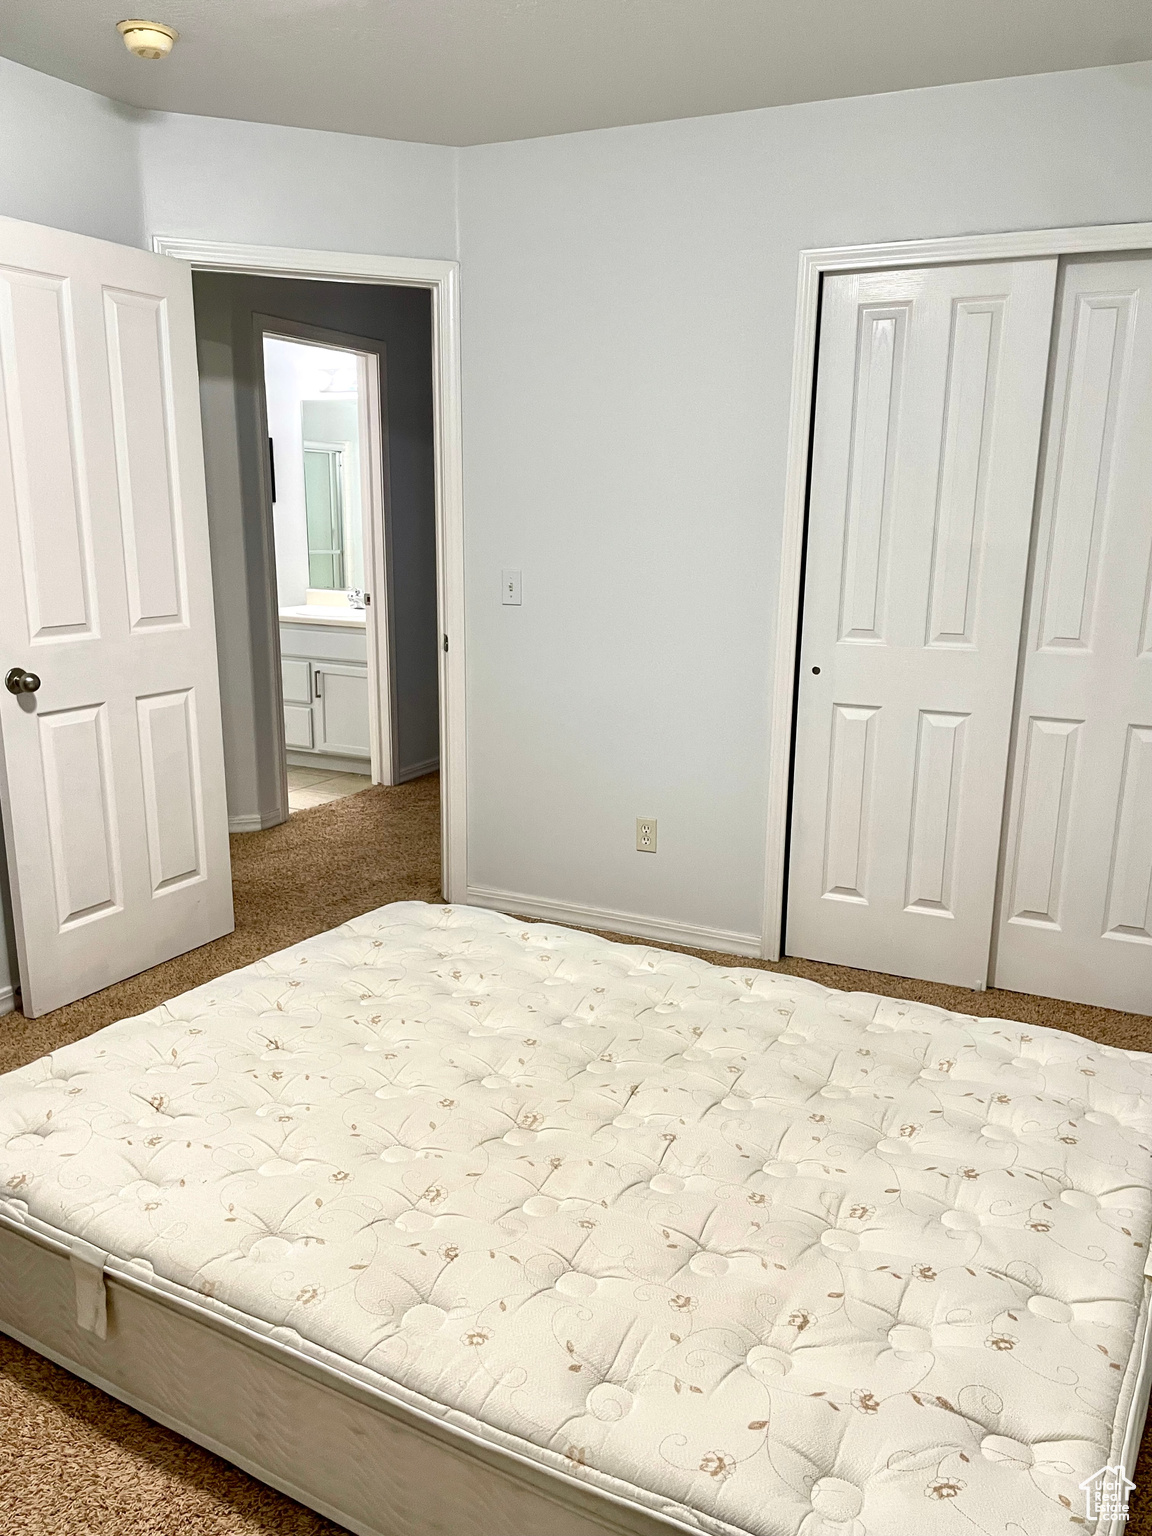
[(756, 1255)]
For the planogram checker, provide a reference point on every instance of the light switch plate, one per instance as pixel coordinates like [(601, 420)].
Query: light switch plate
[(510, 588)]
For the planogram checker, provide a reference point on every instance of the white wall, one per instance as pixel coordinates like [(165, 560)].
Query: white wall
[(76, 160), (68, 157), (628, 308), (216, 179)]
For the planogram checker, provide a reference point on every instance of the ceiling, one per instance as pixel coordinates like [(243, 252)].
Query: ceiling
[(476, 71)]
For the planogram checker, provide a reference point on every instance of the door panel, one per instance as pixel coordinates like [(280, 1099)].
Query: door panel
[(137, 327), (1128, 913), (45, 454), (958, 534), (1037, 868), (874, 428), (112, 784), (1086, 438), (80, 794), (935, 806), (167, 730), (849, 802), (928, 411), (1076, 919)]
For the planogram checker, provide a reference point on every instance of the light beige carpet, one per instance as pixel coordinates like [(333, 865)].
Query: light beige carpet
[(73, 1462), (311, 873)]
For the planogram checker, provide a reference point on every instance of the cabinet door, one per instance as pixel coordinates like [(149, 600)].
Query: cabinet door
[(341, 710)]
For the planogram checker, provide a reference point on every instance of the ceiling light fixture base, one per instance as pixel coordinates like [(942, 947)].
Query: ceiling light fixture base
[(147, 39)]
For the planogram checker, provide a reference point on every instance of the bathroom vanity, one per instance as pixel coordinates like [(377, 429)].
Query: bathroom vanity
[(324, 660)]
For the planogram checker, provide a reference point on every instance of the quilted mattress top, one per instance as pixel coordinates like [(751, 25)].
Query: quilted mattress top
[(757, 1255)]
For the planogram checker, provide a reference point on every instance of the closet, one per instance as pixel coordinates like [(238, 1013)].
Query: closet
[(972, 782)]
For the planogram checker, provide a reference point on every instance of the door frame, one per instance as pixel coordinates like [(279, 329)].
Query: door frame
[(814, 266), (375, 492), (442, 280)]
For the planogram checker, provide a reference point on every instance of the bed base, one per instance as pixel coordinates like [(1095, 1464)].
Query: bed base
[(326, 1440)]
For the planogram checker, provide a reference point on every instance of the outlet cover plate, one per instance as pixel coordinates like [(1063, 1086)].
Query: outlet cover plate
[(645, 834)]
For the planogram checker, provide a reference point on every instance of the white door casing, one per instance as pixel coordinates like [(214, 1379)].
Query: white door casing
[(1076, 905), (112, 781), (929, 404), (442, 279)]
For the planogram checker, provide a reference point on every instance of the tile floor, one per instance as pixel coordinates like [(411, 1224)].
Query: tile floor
[(316, 786)]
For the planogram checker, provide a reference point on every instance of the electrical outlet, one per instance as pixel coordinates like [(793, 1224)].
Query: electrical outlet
[(645, 834)]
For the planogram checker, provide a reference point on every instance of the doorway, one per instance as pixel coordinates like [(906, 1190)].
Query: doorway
[(325, 453), (349, 278), (321, 451)]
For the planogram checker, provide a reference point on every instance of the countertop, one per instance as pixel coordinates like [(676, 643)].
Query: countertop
[(317, 613)]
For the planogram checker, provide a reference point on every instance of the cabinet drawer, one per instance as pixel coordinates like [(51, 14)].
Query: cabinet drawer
[(297, 679), (298, 726), (328, 642)]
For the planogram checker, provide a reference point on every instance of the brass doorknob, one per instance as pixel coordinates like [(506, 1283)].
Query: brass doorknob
[(19, 681)]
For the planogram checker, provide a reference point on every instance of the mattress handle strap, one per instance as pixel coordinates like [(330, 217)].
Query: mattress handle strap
[(91, 1298)]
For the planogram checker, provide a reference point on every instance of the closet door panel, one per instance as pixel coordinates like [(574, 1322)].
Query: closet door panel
[(1087, 676), (929, 403)]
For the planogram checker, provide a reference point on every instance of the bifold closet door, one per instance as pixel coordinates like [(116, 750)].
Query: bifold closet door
[(929, 402), (1076, 911)]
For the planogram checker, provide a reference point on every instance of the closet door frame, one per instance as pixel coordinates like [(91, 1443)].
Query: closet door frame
[(814, 265)]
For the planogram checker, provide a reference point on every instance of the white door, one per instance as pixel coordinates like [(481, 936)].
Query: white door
[(929, 402), (1076, 910), (112, 785)]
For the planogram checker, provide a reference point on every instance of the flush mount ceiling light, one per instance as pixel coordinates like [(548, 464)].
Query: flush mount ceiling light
[(147, 39)]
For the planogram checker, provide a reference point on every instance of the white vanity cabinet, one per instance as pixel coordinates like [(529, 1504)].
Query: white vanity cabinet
[(325, 675)]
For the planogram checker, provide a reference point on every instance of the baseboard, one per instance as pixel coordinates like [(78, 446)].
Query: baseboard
[(7, 1000), (417, 770), (329, 762), (255, 823), (663, 930)]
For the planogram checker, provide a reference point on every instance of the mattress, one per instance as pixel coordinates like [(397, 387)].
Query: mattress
[(700, 1248)]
